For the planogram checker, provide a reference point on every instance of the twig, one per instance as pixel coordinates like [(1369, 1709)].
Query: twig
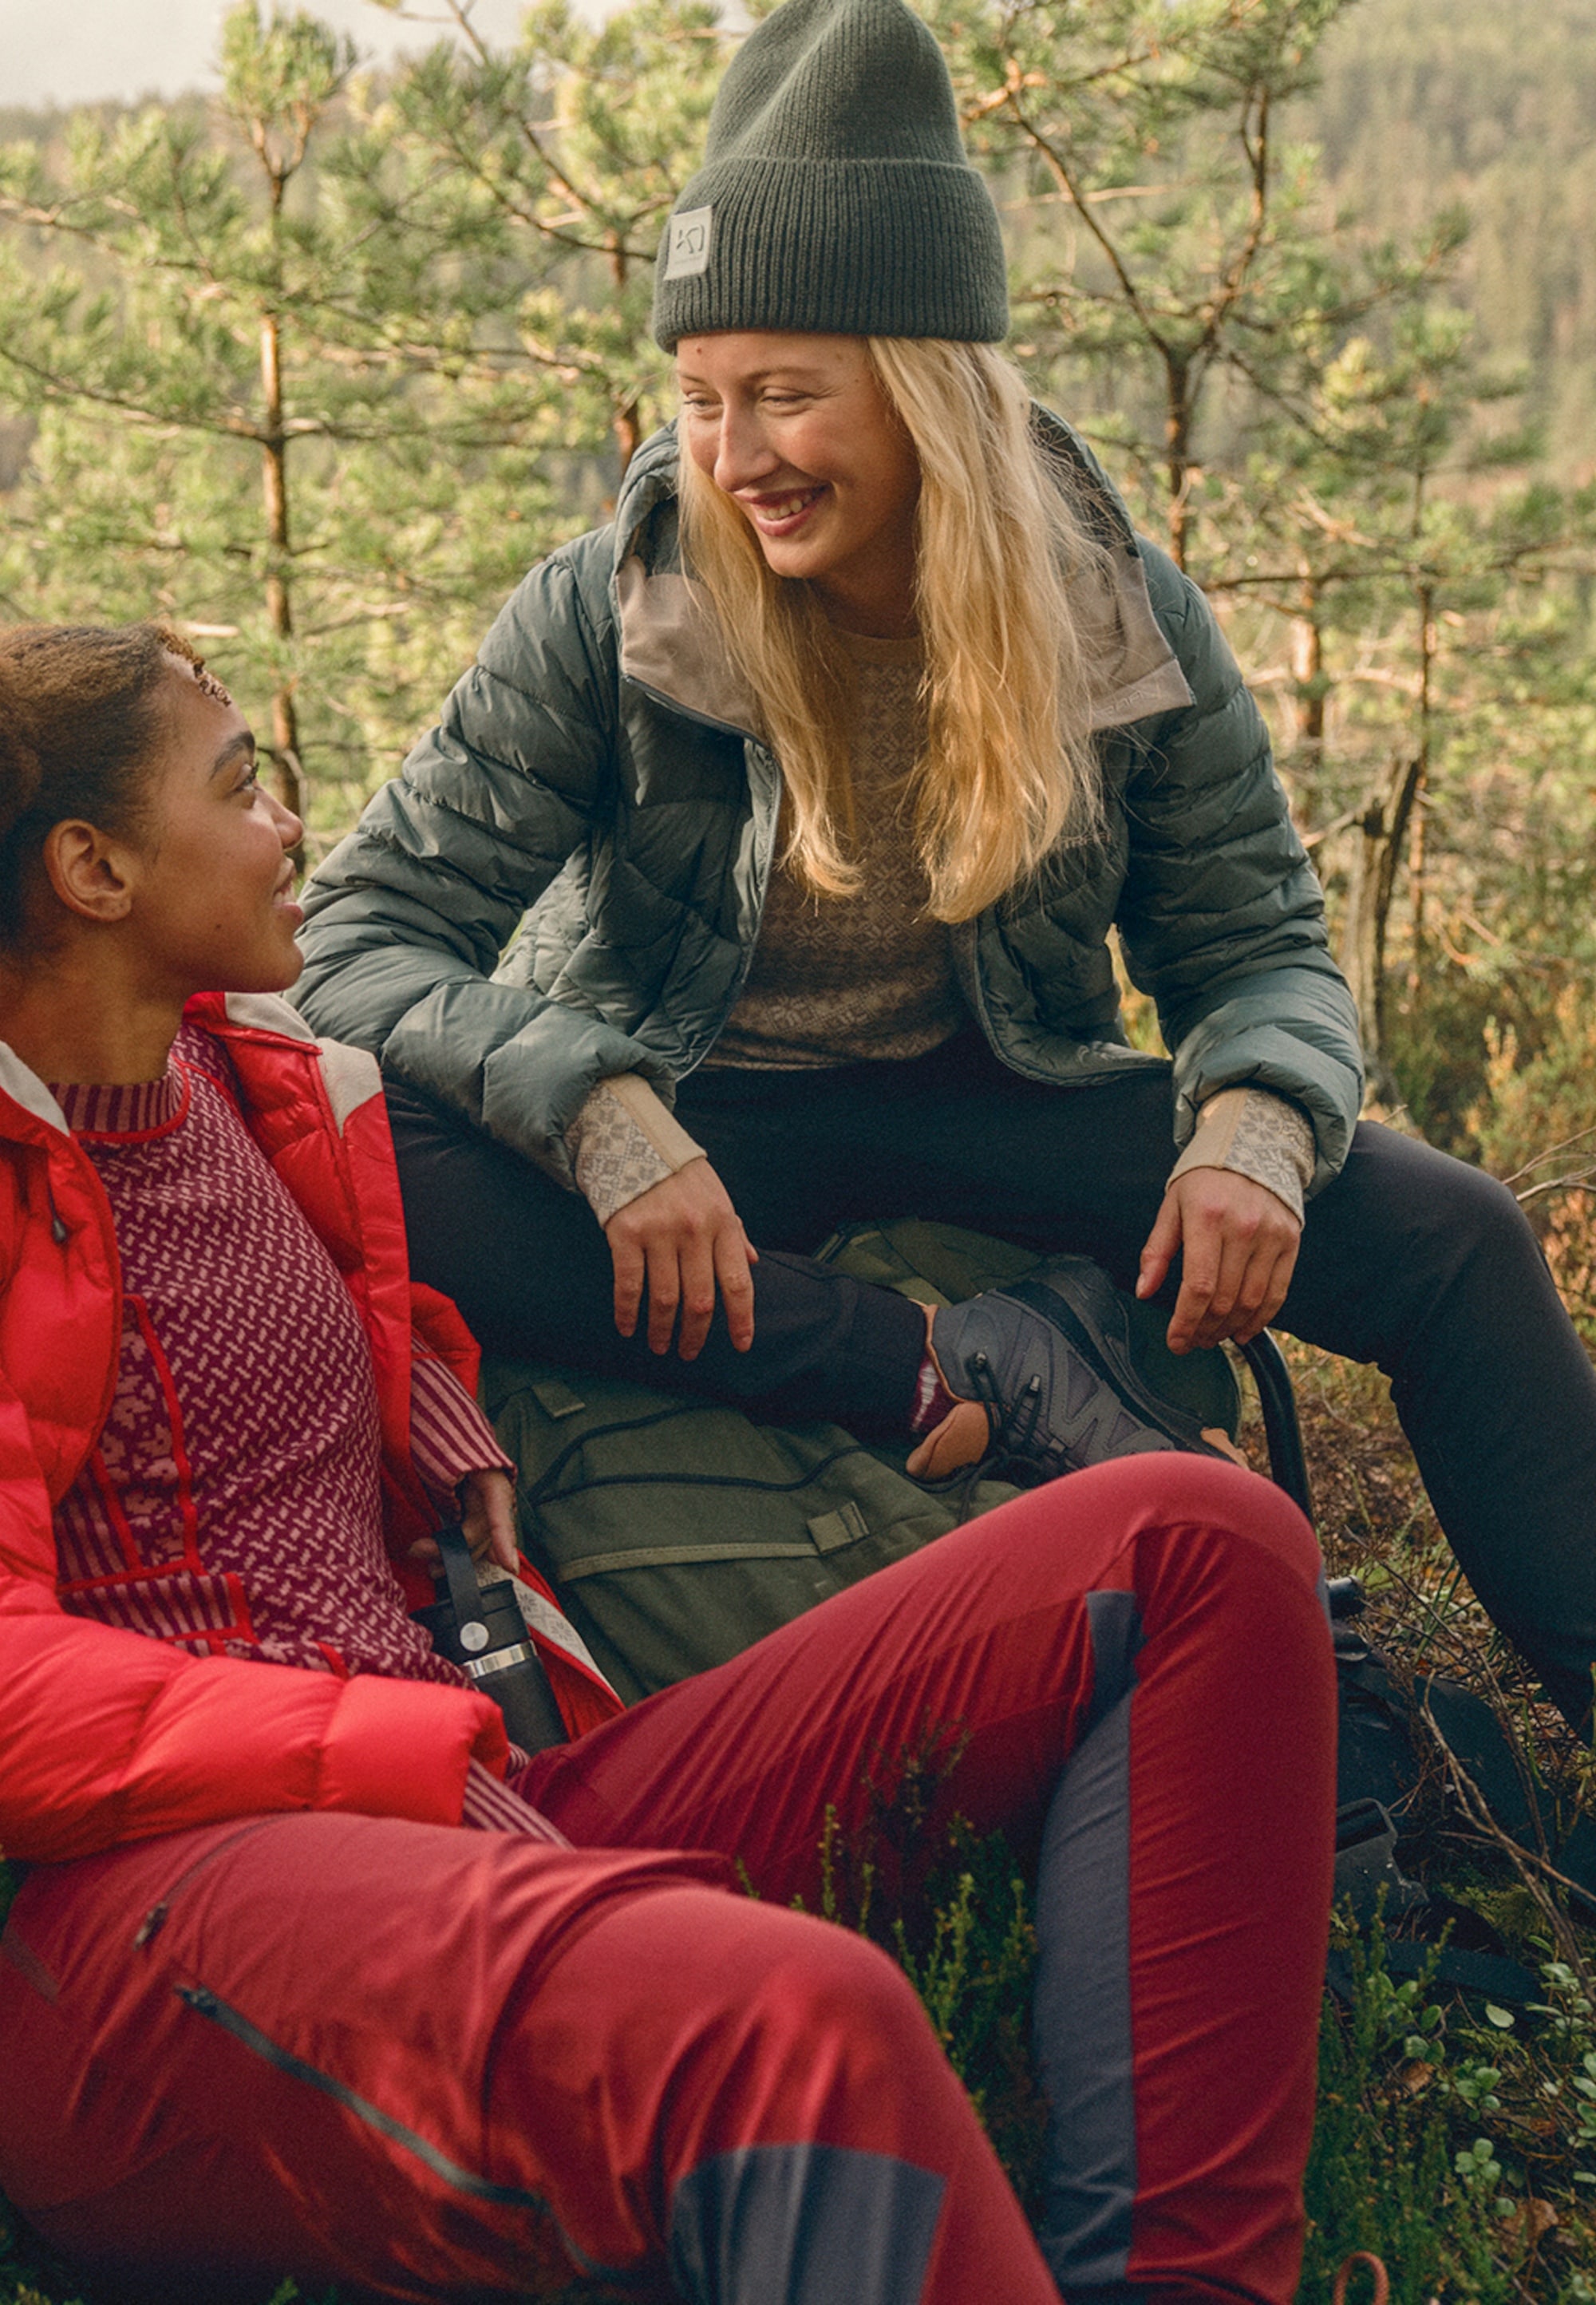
[(1550, 1153), (1580, 1179), (1534, 1872)]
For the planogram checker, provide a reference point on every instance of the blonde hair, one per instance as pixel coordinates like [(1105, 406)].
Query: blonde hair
[(1009, 769)]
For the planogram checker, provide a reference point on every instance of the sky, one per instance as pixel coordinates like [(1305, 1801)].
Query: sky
[(85, 50)]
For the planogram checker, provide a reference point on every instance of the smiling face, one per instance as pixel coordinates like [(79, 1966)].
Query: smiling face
[(213, 906), (797, 431)]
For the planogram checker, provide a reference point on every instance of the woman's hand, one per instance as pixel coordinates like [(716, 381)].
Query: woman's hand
[(487, 1518), (684, 1238), (1238, 1245), (487, 1522)]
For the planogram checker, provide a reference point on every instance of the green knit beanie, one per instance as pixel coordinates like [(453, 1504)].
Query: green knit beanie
[(835, 194)]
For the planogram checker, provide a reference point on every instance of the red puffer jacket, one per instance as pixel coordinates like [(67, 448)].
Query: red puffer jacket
[(108, 1735)]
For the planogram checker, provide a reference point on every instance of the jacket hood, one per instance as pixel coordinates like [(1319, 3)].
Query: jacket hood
[(671, 641)]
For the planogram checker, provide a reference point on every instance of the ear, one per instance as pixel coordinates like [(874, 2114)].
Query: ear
[(93, 873)]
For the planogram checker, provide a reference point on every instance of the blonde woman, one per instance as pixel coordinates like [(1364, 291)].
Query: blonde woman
[(822, 775)]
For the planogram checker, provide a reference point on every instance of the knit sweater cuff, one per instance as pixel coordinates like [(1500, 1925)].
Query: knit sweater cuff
[(1254, 1133), (623, 1142)]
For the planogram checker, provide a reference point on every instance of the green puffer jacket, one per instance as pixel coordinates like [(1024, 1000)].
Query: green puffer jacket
[(596, 782)]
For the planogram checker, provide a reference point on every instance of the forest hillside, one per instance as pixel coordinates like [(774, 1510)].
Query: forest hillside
[(1422, 102)]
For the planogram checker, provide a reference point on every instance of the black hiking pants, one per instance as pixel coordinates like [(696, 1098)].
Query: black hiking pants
[(1410, 1260)]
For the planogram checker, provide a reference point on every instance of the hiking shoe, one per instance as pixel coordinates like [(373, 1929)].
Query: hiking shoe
[(1049, 1358)]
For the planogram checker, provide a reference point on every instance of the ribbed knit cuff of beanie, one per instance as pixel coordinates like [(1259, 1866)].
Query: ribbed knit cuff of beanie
[(835, 196)]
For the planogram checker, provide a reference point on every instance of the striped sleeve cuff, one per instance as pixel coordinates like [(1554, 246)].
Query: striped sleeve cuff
[(490, 1805), (449, 1436)]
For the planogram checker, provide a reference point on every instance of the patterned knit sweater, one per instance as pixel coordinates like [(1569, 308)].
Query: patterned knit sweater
[(870, 978), (232, 1504), (867, 978)]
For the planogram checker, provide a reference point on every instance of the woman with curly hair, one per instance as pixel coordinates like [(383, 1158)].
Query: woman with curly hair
[(307, 1971)]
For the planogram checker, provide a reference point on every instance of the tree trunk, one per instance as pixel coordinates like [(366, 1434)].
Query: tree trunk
[(627, 427), (288, 772), (1417, 874), (1177, 453), (626, 424), (1378, 832), (1307, 672)]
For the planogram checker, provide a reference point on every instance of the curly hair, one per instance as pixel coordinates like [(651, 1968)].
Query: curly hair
[(80, 721)]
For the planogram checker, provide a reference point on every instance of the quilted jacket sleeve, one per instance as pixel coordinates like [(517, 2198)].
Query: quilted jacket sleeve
[(1222, 917), (109, 1736), (406, 919)]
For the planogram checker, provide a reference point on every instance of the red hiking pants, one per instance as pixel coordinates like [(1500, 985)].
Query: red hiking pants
[(431, 2062)]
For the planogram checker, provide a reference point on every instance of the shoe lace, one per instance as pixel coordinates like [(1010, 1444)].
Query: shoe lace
[(1014, 1426), (1013, 1422)]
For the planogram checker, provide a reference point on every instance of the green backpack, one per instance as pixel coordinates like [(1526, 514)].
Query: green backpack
[(677, 1531)]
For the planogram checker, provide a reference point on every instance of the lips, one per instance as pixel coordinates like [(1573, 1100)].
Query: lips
[(775, 515)]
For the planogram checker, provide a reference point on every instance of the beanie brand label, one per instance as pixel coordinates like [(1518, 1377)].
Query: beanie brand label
[(688, 252)]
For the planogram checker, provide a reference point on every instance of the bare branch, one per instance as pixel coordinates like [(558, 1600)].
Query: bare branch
[(1059, 168), (1550, 1153)]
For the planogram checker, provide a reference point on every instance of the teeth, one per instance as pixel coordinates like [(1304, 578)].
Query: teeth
[(784, 508)]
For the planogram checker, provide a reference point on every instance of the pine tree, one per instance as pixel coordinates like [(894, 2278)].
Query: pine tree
[(321, 369)]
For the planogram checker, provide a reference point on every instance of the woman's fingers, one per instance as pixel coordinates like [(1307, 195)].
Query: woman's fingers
[(1238, 1248), (1199, 1278), (501, 1514), (1237, 1251), (683, 1242), (626, 1255), (696, 1277), (1274, 1295), (1162, 1244), (488, 1516), (664, 1256), (487, 1521), (734, 1260)]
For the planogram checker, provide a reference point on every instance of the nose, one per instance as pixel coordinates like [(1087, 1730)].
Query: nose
[(291, 828), (743, 455)]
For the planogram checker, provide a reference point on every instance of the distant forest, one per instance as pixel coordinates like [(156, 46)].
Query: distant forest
[(1491, 104)]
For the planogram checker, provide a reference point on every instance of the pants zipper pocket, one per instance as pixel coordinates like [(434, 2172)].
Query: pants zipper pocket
[(154, 1920)]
